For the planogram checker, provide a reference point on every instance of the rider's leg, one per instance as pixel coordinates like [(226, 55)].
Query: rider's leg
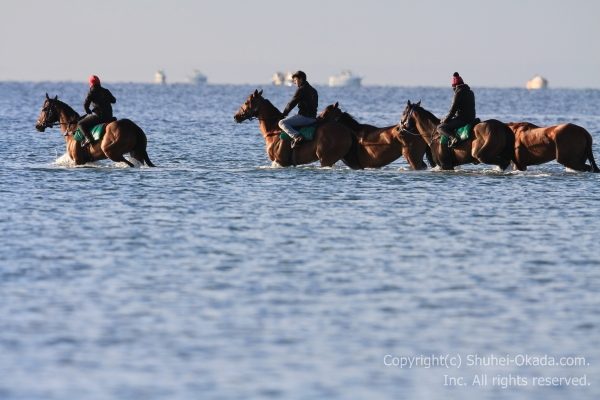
[(86, 124), (448, 128), (289, 124)]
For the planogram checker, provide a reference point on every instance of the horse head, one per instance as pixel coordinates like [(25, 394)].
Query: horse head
[(332, 112), (407, 120), (249, 109), (49, 114)]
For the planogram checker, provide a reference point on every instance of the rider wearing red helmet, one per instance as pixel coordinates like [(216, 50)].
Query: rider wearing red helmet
[(462, 111), (100, 99)]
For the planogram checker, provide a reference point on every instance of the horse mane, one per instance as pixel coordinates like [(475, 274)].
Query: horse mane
[(272, 105), (350, 121), (68, 109), (429, 114)]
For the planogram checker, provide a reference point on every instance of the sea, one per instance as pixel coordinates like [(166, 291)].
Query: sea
[(218, 275)]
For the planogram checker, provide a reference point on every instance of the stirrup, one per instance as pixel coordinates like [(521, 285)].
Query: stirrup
[(297, 140)]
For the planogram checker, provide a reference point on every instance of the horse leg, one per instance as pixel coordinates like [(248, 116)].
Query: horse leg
[(429, 156), (120, 158), (572, 158), (518, 159), (488, 153), (115, 154), (333, 146), (327, 158)]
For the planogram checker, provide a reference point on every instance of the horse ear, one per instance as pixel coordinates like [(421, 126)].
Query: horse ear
[(56, 97), (336, 105), (408, 103), (260, 93), (419, 103), (47, 97), (255, 92)]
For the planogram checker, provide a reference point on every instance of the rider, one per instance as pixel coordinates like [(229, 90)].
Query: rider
[(307, 99), (101, 99), (462, 111)]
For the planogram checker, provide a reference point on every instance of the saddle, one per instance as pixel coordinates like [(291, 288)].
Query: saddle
[(307, 132), (462, 134), (97, 131)]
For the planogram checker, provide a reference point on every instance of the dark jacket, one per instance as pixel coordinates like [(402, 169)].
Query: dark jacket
[(101, 99), (307, 100), (463, 104)]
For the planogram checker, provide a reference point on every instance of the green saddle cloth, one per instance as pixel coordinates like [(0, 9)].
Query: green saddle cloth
[(97, 133), (307, 132), (463, 133)]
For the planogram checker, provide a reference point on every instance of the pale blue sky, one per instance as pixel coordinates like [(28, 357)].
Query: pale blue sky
[(419, 42)]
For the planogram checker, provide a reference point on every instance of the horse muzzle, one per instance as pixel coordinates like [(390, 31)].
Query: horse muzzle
[(40, 127), (241, 117)]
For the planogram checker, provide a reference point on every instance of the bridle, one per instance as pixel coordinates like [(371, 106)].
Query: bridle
[(50, 119), (249, 113), (48, 111), (403, 127)]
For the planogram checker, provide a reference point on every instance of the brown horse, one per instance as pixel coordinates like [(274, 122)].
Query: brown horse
[(375, 147), (331, 142), (120, 137), (569, 144), (492, 141)]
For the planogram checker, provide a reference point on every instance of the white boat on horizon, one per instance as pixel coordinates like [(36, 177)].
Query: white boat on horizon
[(345, 78), (537, 82), (198, 78), (281, 79), (160, 77)]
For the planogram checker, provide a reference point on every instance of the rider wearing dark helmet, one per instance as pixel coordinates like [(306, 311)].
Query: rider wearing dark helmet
[(462, 111), (307, 99), (101, 100)]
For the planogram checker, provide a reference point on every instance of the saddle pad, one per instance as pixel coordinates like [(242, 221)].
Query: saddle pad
[(464, 132), (97, 133), (307, 132)]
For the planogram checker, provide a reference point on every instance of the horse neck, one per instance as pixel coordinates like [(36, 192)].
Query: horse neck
[(269, 117), (426, 126), (350, 122), (68, 118)]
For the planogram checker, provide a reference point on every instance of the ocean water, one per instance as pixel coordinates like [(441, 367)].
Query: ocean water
[(217, 275)]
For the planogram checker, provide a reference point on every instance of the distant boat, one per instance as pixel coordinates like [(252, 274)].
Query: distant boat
[(345, 78), (198, 78), (537, 82), (281, 79), (160, 77)]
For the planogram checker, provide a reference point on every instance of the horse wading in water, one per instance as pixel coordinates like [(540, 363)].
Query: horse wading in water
[(331, 141), (491, 143), (120, 137), (375, 147), (569, 144)]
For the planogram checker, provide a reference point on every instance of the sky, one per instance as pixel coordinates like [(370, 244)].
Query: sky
[(407, 43)]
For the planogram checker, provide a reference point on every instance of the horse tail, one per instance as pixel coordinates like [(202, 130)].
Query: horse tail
[(591, 156), (139, 151)]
